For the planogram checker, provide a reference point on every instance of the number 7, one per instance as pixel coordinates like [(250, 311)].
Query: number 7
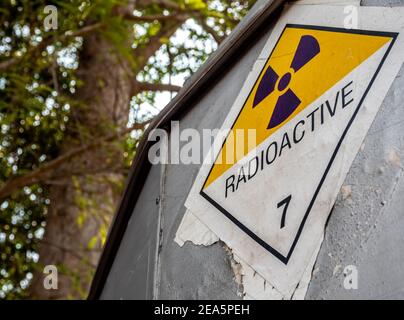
[(284, 202)]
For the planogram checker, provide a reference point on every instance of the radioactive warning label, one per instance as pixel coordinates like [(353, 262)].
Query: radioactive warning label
[(301, 106), (309, 101)]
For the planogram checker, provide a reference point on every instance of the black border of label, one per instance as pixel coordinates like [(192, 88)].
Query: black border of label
[(250, 233)]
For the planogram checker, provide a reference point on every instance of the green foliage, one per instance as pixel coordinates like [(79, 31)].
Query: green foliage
[(22, 221), (37, 96)]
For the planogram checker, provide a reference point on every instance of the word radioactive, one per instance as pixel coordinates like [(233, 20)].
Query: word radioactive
[(269, 155)]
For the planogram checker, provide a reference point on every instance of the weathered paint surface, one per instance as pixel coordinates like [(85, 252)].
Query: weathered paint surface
[(132, 274), (365, 228)]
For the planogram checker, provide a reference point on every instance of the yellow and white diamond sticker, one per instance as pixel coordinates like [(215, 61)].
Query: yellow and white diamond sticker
[(309, 100)]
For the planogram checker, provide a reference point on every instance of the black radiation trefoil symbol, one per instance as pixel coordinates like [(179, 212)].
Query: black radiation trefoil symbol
[(307, 49)]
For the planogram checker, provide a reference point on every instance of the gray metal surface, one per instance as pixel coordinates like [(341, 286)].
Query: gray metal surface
[(132, 274), (365, 228)]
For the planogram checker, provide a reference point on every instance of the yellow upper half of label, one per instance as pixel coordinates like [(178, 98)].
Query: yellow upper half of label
[(339, 54)]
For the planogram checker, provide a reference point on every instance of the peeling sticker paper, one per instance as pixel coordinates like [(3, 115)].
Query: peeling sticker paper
[(193, 230), (254, 286), (311, 96)]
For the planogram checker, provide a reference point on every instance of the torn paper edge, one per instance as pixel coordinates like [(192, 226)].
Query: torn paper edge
[(254, 286), (194, 230)]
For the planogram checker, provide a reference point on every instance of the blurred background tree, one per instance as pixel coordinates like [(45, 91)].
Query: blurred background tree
[(74, 102)]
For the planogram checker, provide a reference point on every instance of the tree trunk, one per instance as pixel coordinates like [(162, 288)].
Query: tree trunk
[(82, 205)]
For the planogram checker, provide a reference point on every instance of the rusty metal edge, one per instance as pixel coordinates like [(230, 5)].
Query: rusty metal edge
[(207, 75)]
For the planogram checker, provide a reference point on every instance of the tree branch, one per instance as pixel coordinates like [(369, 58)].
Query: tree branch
[(127, 14), (144, 52), (43, 172), (6, 64), (219, 39), (145, 86), (167, 4), (74, 253)]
